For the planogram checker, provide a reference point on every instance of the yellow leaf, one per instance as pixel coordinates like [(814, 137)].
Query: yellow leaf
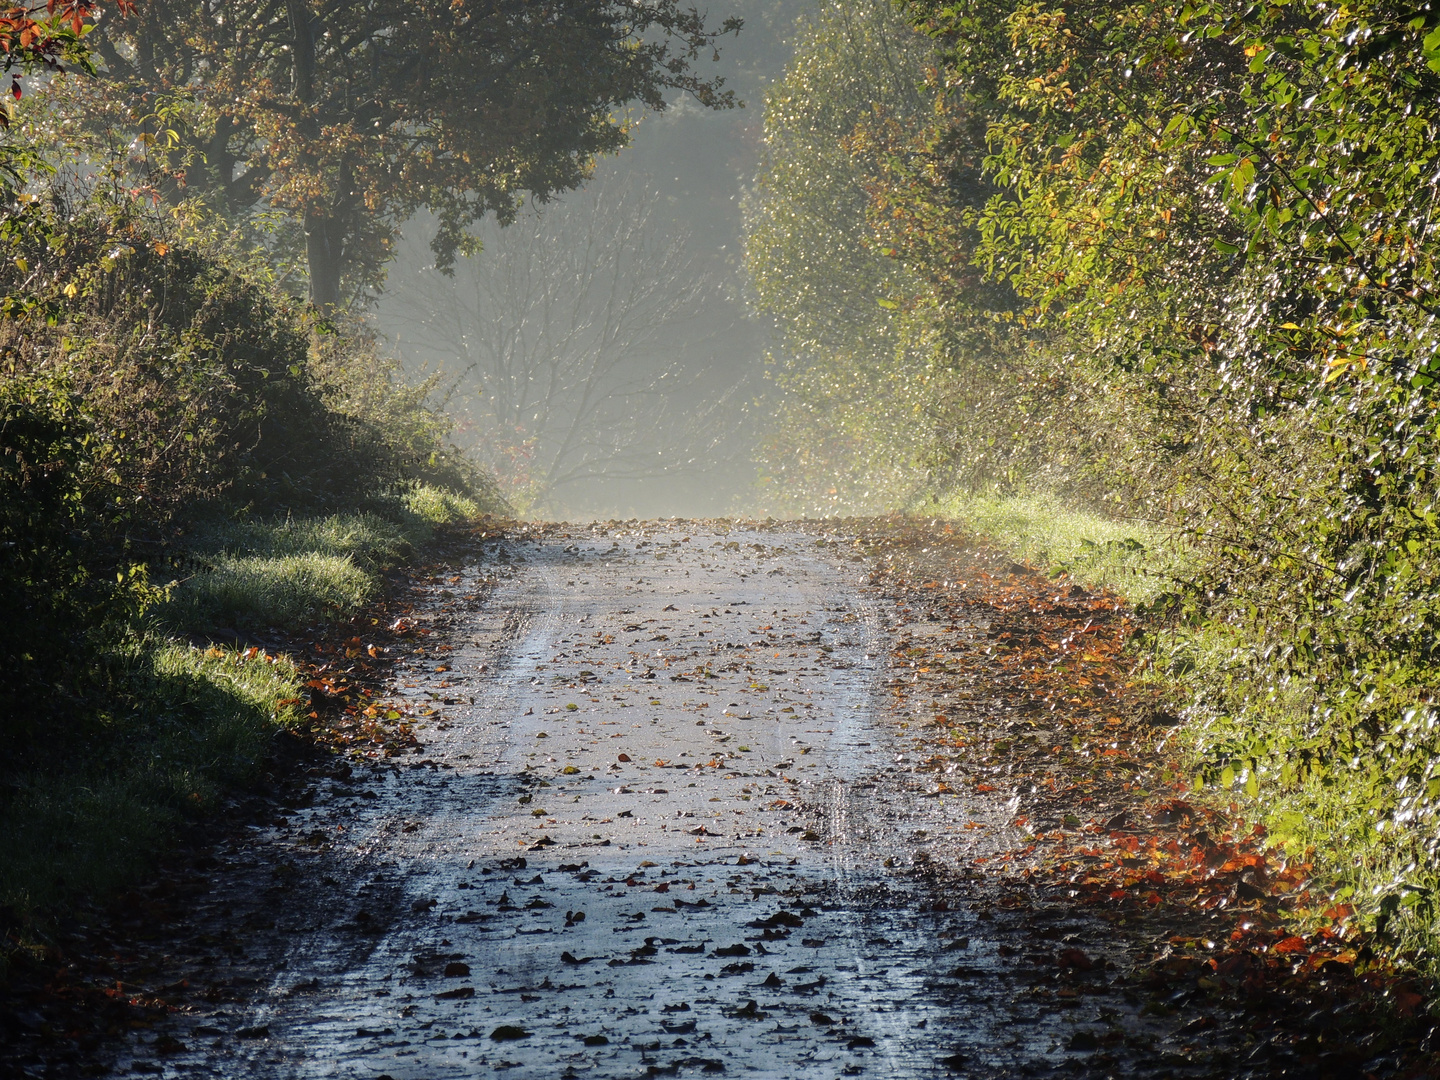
[(1341, 365), (71, 290)]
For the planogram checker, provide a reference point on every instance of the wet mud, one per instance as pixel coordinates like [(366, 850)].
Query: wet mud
[(663, 821)]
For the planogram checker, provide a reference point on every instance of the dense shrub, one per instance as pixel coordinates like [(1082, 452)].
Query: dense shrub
[(161, 408), (1215, 223), (1218, 219)]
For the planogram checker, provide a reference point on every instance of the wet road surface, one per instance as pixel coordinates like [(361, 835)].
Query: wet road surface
[(664, 822)]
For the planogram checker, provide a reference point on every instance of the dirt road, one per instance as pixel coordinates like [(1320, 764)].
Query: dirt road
[(664, 821)]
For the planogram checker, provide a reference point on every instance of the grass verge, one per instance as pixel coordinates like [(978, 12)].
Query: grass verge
[(186, 721), (287, 591), (290, 573), (1136, 559), (193, 721), (1331, 811)]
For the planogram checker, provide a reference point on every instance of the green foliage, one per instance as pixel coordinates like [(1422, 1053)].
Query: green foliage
[(52, 43), (167, 413), (57, 588), (143, 380), (1176, 263), (1217, 217), (854, 377), (194, 381), (199, 382)]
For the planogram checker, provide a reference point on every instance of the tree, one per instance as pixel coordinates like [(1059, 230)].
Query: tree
[(561, 344), (854, 367), (353, 115)]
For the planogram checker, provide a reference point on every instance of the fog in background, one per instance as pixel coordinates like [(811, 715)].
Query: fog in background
[(598, 354)]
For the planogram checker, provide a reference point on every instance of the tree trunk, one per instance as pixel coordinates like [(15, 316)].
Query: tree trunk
[(324, 234), (324, 245)]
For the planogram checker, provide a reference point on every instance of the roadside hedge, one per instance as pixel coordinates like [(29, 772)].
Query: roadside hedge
[(1178, 264), (156, 393)]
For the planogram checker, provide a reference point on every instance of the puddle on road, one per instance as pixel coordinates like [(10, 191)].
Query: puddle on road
[(663, 828)]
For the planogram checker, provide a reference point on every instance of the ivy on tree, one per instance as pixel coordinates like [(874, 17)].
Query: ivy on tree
[(353, 116)]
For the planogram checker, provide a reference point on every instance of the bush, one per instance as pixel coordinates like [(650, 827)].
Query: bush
[(165, 414)]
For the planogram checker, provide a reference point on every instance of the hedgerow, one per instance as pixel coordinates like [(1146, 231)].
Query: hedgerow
[(173, 428), (1178, 263)]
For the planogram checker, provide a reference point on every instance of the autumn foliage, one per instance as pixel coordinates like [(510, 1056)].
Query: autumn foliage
[(1171, 265)]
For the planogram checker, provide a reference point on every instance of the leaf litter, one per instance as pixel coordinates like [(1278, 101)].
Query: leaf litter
[(1044, 711), (1037, 713)]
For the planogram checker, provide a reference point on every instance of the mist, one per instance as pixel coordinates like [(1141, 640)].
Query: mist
[(599, 355)]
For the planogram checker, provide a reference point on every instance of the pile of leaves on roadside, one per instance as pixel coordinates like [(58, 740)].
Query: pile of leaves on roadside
[(1045, 709)]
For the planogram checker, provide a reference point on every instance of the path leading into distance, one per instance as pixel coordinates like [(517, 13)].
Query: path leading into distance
[(667, 826)]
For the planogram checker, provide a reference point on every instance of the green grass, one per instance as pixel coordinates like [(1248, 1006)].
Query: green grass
[(196, 721), (285, 591), (1364, 867), (1136, 559), (293, 572), (367, 539), (189, 722), (434, 506)]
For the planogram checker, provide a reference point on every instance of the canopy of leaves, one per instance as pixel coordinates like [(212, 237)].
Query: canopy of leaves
[(352, 116)]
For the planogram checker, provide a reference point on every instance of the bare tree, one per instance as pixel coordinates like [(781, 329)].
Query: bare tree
[(562, 342)]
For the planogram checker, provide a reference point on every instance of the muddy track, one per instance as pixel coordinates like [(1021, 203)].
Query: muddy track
[(663, 822)]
